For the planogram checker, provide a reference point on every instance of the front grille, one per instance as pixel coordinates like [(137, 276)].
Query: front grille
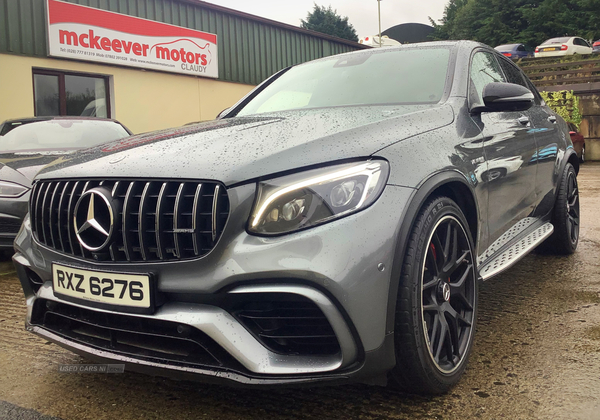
[(148, 339), (156, 221), (10, 226), (288, 325)]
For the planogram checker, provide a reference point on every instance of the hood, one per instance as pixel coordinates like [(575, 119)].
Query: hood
[(234, 150), (22, 167)]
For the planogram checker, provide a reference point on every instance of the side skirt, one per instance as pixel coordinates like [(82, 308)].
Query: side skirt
[(504, 253)]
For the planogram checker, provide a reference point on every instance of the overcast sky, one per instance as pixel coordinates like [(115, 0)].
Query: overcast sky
[(362, 14)]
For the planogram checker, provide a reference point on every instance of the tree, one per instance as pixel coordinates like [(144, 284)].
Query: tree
[(531, 22), (327, 21)]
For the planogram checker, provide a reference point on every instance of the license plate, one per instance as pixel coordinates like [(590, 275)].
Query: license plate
[(549, 49), (128, 290)]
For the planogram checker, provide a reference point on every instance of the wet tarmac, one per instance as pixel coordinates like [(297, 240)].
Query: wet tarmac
[(536, 355)]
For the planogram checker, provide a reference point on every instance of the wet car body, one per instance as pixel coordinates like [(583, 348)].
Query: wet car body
[(343, 273), (19, 167)]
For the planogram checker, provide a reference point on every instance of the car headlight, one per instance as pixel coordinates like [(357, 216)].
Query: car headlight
[(317, 196), (11, 190)]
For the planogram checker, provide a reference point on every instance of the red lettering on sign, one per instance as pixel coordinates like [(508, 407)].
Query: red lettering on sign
[(94, 40), (116, 45), (105, 42)]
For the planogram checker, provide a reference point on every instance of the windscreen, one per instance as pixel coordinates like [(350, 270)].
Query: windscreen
[(556, 40), (61, 134), (405, 76)]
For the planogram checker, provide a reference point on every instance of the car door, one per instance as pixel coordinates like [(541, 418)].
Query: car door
[(551, 134), (509, 148), (544, 127)]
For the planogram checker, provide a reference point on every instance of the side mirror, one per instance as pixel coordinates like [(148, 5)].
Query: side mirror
[(505, 97)]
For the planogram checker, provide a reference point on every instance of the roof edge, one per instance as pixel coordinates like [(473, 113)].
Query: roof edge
[(271, 22)]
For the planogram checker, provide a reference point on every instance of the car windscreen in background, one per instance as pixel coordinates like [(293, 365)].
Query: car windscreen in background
[(409, 76), (61, 134)]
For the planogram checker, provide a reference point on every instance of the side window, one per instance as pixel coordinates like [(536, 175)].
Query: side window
[(577, 41), (520, 48), (585, 43), (484, 69), (512, 73), (533, 89)]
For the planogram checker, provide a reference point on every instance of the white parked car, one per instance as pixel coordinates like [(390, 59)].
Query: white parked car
[(373, 41), (567, 45)]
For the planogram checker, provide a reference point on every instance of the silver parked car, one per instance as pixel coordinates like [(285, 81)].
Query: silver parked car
[(328, 227)]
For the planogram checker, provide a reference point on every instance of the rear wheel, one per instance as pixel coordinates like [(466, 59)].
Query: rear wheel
[(565, 216), (437, 301)]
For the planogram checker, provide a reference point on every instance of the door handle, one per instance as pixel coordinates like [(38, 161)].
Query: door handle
[(552, 119), (523, 120)]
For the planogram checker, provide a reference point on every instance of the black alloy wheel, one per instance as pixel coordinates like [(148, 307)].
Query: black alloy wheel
[(572, 208), (436, 310), (565, 216), (448, 294)]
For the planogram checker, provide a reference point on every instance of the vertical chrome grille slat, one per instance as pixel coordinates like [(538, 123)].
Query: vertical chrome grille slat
[(34, 207), (115, 188), (142, 220), (52, 213), (195, 227), (44, 211), (60, 217), (70, 219), (159, 204), (215, 213), (126, 240), (160, 220), (176, 215)]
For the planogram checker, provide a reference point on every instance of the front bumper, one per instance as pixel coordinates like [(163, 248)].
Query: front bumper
[(333, 266), (551, 54)]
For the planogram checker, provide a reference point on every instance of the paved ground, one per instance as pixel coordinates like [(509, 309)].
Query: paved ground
[(537, 355)]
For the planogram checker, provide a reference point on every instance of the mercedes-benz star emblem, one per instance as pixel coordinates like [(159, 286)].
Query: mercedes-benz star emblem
[(446, 292), (94, 219)]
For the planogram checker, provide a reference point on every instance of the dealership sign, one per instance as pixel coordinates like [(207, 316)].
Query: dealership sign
[(85, 33)]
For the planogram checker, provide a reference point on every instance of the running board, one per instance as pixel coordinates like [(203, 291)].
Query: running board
[(517, 251)]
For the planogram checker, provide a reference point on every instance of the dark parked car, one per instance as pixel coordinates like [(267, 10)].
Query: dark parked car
[(27, 145), (596, 47), (578, 141), (514, 51), (323, 229)]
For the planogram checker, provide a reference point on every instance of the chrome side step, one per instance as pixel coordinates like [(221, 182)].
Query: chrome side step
[(514, 253)]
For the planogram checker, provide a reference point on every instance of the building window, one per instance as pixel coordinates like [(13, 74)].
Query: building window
[(60, 93)]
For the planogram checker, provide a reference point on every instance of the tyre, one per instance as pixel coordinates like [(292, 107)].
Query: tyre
[(436, 310), (565, 216)]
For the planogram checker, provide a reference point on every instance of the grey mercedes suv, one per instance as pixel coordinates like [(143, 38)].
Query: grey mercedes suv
[(331, 226)]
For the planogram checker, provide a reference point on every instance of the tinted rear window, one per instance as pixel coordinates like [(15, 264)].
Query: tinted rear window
[(556, 40), (507, 47)]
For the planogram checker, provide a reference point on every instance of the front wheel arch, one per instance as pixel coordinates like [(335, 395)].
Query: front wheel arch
[(452, 184)]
